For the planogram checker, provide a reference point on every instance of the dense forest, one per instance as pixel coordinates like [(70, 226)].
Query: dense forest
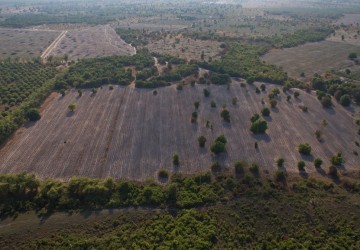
[(231, 211)]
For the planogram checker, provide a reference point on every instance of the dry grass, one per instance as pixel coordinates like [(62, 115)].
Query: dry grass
[(183, 47), (88, 42), (132, 133), (312, 58), (22, 43)]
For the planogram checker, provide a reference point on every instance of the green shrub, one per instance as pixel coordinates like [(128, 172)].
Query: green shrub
[(318, 162), (239, 167), (280, 175), (280, 162), (265, 111), (259, 127), (163, 174), (33, 114), (337, 159), (225, 114), (202, 141), (176, 160), (301, 165), (305, 149), (206, 92), (254, 168)]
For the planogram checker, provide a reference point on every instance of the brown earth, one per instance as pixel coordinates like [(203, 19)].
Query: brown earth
[(132, 133)]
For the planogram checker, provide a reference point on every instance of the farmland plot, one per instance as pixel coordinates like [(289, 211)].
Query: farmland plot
[(132, 133), (312, 58), (23, 43), (92, 42)]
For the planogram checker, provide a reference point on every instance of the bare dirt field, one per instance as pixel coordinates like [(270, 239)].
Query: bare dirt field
[(348, 19), (96, 41), (132, 133), (312, 58), (23, 43), (188, 48)]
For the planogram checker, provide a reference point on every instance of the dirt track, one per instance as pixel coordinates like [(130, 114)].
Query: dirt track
[(131, 133)]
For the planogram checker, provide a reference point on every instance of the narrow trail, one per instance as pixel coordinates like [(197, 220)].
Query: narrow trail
[(49, 49)]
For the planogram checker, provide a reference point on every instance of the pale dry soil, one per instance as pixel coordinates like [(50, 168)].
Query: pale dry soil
[(312, 58), (25, 43), (89, 42), (132, 133)]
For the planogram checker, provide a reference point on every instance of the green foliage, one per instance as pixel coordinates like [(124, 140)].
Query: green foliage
[(301, 165), (300, 37), (131, 36), (251, 67), (280, 162), (305, 149), (280, 175), (176, 160), (93, 73), (202, 141), (216, 167), (206, 92), (219, 145), (265, 112), (259, 127), (254, 118), (163, 174), (33, 114), (240, 167), (72, 107), (345, 100), (337, 159), (352, 56), (318, 162), (225, 114), (219, 79)]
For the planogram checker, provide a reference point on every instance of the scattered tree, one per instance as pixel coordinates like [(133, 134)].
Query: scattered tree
[(206, 92), (72, 107), (337, 159), (305, 149), (318, 162), (176, 160), (280, 162), (345, 100), (196, 104), (202, 141), (225, 114), (301, 165), (265, 112), (259, 127), (33, 114)]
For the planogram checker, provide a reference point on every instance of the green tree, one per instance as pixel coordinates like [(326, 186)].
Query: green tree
[(176, 160), (202, 141), (33, 114), (72, 107), (259, 127), (265, 111), (225, 114), (318, 162), (305, 149), (345, 100)]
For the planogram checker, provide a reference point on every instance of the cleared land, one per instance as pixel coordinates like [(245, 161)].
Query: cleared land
[(132, 133), (97, 41), (188, 48), (312, 58), (349, 19), (24, 43)]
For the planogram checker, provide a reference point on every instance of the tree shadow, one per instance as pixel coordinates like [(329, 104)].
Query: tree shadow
[(194, 126), (351, 109), (321, 171), (163, 180), (262, 137), (309, 158), (275, 110), (303, 174), (70, 113), (226, 125), (330, 111), (29, 124), (203, 150), (267, 118)]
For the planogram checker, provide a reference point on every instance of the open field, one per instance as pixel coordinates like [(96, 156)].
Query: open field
[(184, 47), (92, 42), (24, 43), (348, 19), (312, 58), (131, 133)]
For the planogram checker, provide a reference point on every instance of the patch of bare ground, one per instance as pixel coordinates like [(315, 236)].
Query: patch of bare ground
[(180, 46), (25, 43), (89, 42), (132, 133), (312, 58)]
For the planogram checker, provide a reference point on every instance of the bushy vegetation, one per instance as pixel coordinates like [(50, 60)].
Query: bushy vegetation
[(93, 73), (26, 87), (251, 67), (219, 145), (305, 149), (299, 37), (259, 127)]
